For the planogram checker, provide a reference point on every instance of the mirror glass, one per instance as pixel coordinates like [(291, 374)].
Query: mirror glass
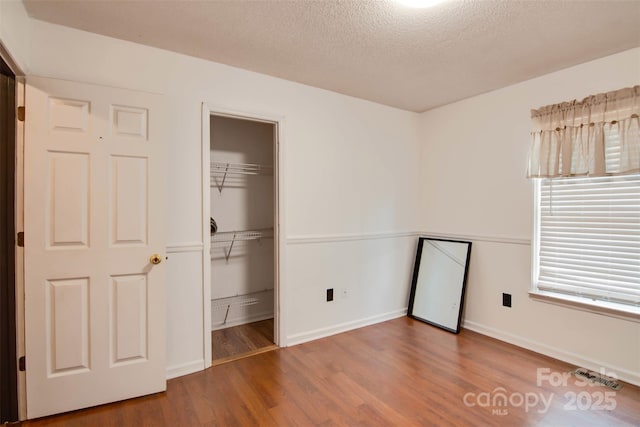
[(439, 280)]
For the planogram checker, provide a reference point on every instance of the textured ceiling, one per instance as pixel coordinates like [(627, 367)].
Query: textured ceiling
[(414, 59)]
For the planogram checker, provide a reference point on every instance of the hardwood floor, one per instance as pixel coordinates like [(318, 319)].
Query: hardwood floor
[(397, 373), (240, 341)]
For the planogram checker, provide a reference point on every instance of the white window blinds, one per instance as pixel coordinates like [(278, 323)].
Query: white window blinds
[(588, 237)]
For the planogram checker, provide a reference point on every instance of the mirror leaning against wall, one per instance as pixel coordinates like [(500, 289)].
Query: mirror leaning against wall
[(439, 282)]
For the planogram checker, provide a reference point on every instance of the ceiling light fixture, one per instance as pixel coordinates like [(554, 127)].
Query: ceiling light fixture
[(419, 4)]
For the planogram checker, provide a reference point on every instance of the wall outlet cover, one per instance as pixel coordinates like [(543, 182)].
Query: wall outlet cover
[(506, 300), (330, 294)]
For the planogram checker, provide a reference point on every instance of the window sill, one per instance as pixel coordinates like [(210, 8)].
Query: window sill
[(598, 307)]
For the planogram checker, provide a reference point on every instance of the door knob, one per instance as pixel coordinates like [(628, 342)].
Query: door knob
[(155, 259)]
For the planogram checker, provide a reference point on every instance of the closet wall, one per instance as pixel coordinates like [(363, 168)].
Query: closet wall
[(242, 205)]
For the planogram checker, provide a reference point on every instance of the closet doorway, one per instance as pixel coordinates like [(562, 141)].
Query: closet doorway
[(243, 229)]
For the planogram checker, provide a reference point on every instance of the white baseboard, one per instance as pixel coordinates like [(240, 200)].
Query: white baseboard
[(185, 368), (572, 358), (343, 327)]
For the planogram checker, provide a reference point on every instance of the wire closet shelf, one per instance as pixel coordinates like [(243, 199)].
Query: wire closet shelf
[(220, 169), (240, 236), (224, 304)]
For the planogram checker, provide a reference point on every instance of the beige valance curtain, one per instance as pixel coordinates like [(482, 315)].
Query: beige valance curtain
[(597, 136)]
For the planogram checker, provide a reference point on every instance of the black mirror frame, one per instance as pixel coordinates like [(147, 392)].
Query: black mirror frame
[(414, 283)]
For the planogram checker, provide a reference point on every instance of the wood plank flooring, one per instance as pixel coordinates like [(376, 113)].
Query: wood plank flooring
[(397, 373), (235, 342)]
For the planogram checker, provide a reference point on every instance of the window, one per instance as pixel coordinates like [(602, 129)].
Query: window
[(587, 239), (586, 158)]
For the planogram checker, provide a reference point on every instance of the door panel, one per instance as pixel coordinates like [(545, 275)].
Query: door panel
[(129, 122), (129, 320), (67, 209), (68, 115), (129, 208), (94, 304), (68, 333)]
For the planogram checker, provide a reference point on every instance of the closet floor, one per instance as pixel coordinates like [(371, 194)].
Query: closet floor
[(241, 341)]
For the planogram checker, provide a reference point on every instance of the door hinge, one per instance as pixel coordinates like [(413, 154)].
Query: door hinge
[(21, 239), (21, 113), (22, 364)]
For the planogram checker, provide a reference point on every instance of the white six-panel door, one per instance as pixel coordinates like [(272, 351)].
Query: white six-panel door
[(94, 216)]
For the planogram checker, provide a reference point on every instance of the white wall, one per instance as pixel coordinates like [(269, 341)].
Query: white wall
[(15, 28), (350, 170), (473, 184)]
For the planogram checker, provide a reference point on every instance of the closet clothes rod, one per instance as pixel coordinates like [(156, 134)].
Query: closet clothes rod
[(240, 236), (225, 169)]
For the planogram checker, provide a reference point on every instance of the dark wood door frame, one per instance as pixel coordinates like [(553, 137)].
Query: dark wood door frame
[(8, 362)]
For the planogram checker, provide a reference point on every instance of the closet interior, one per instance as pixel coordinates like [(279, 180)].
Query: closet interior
[(242, 195)]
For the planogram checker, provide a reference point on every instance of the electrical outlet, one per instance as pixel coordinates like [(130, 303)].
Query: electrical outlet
[(345, 292), (506, 300), (330, 294)]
